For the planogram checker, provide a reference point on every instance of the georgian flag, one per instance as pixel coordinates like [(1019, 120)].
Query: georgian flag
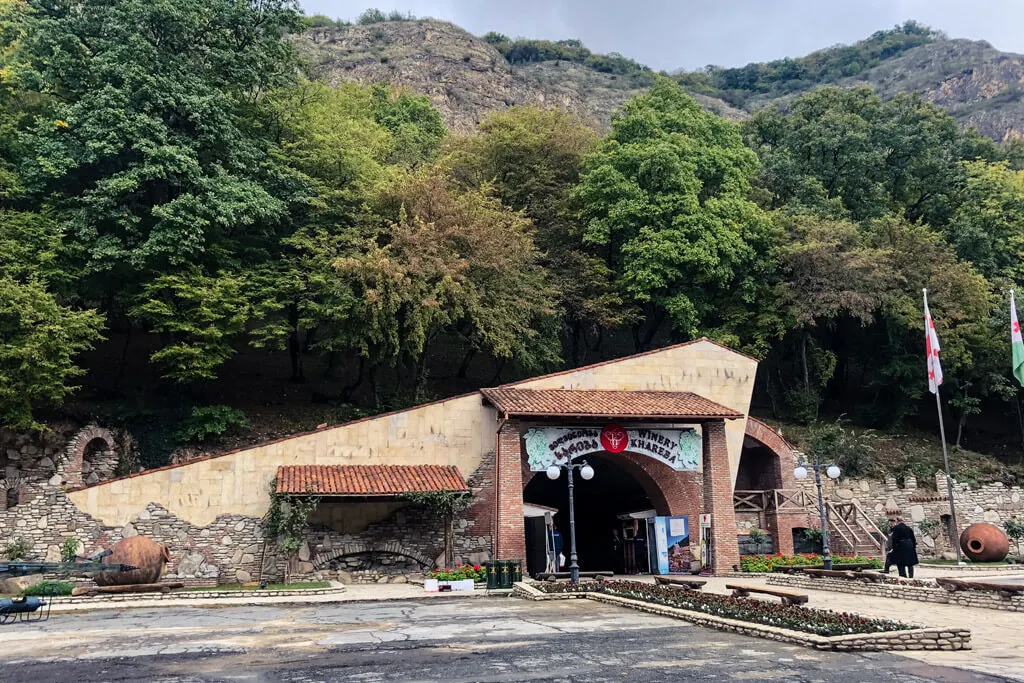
[(1016, 342), (931, 344)]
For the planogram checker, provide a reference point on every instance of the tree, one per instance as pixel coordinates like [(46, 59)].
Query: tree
[(151, 135), (287, 521), (445, 504), (40, 336), (531, 158), (1015, 530), (987, 227), (664, 202), (450, 262), (199, 317), (828, 271)]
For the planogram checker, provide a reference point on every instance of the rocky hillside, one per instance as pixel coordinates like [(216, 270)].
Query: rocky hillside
[(466, 77)]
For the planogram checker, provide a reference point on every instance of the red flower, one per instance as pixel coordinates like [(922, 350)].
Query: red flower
[(476, 567)]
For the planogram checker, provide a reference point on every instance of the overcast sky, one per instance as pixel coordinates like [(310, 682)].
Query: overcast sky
[(669, 34)]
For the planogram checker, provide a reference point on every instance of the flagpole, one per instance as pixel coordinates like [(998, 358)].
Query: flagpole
[(949, 481), (955, 540)]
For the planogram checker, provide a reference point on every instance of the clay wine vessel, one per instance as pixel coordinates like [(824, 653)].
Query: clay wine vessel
[(984, 542), (137, 551)]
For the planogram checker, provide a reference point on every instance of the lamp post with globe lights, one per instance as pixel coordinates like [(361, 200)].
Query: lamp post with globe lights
[(587, 472), (832, 472)]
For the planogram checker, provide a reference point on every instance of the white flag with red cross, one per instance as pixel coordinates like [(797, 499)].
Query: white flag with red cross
[(931, 344)]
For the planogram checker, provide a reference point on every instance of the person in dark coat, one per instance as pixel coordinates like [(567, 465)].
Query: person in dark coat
[(888, 547), (904, 548)]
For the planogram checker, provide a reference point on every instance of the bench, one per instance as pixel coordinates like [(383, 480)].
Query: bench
[(686, 584), (788, 597), (1005, 590), (552, 576), (831, 573), (874, 577), (802, 568)]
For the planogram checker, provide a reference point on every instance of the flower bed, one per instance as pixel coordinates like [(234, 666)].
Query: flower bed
[(803, 619), (460, 573), (768, 563)]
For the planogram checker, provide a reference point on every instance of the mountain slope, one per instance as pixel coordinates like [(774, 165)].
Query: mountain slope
[(466, 77)]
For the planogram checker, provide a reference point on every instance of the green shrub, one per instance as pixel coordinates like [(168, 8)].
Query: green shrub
[(16, 549), (372, 16), (69, 549), (45, 588), (768, 563), (206, 421)]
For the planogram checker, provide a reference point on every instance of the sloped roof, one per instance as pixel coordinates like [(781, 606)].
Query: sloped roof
[(606, 404), (367, 480)]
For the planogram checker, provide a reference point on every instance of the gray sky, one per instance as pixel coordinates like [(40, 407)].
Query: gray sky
[(669, 34)]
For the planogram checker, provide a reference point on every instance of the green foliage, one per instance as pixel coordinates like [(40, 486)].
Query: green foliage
[(444, 504), (929, 527), (495, 38), (371, 16), (69, 549), (460, 573), (39, 340), (522, 51), (759, 537), (768, 563), (206, 421), (788, 75), (287, 519), (851, 449), (16, 549), (200, 317), (812, 535), (50, 588), (664, 201)]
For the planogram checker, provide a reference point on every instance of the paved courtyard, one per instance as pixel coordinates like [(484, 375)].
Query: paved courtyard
[(421, 640)]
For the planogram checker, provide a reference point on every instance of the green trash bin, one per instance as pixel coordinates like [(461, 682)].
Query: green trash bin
[(505, 570), (493, 575), (516, 570)]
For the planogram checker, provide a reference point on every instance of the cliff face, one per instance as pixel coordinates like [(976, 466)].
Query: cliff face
[(462, 75), (466, 77)]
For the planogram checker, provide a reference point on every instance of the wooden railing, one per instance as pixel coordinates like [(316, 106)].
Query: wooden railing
[(781, 501), (847, 520)]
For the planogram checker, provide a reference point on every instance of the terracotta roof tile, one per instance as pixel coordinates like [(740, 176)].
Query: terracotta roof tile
[(606, 404), (368, 480)]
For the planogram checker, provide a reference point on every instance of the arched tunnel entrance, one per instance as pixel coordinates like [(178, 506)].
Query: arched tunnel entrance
[(601, 505)]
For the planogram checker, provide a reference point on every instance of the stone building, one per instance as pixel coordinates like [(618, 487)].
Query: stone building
[(667, 433)]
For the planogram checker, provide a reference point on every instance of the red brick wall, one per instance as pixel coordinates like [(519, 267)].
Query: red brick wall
[(511, 533), (718, 498)]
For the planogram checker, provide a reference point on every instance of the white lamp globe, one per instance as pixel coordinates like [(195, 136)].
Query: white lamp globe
[(833, 472), (587, 472), (800, 472), (553, 472)]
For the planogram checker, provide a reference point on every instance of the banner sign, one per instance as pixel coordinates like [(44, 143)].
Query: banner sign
[(680, 449), (672, 535)]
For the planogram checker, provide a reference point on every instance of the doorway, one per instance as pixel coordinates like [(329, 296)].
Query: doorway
[(599, 503)]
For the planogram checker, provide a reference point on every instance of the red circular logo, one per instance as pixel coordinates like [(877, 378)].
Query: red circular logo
[(614, 439)]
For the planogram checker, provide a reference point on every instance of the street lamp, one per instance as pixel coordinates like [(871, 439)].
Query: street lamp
[(587, 472), (832, 472)]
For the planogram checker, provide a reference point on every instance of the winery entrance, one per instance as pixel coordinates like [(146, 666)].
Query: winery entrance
[(611, 518)]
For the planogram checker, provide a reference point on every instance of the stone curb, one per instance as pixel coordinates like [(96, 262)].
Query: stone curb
[(993, 569), (914, 639), (971, 598), (248, 598)]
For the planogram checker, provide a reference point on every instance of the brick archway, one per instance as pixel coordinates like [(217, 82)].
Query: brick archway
[(90, 457), (779, 526)]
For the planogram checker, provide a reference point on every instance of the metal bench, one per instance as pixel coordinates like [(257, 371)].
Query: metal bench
[(788, 597), (686, 584)]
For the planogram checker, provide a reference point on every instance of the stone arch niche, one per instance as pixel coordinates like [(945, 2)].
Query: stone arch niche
[(372, 562), (10, 492), (90, 457)]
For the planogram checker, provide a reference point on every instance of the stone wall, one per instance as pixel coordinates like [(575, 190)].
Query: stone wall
[(387, 541), (993, 503), (970, 598)]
